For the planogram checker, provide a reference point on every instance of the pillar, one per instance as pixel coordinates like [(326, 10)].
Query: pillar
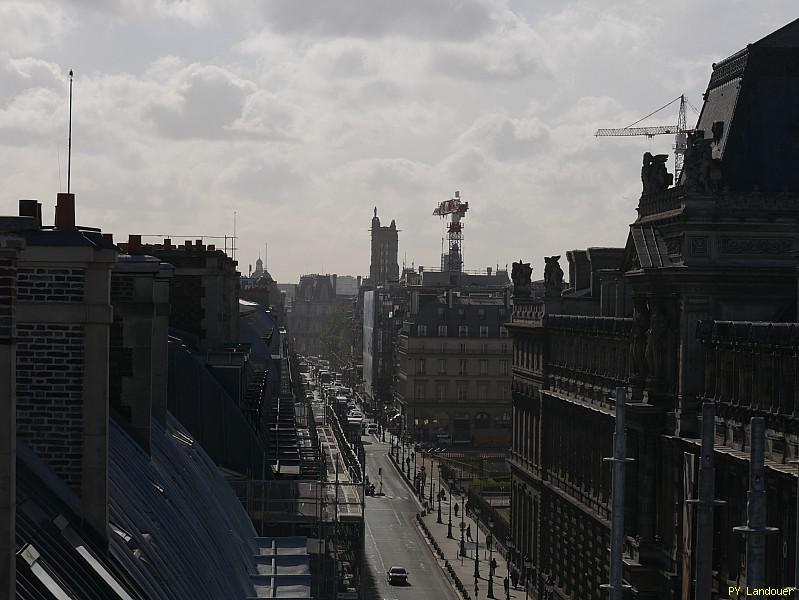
[(9, 248)]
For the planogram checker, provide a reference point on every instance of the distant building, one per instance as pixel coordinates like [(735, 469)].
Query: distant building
[(383, 267), (314, 304), (204, 290), (454, 358)]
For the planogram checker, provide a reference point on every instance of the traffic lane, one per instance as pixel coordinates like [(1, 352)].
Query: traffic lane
[(392, 538)]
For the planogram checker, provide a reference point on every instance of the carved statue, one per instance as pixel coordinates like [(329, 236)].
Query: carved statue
[(702, 172), (521, 275), (654, 176), (655, 341), (638, 341), (553, 276)]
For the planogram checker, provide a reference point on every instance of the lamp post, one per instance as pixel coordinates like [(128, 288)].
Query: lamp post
[(431, 478), (449, 524), (441, 496), (490, 544), (476, 543), (413, 456), (462, 551), (528, 564), (463, 525)]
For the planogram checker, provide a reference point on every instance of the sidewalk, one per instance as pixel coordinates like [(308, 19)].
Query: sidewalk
[(464, 566)]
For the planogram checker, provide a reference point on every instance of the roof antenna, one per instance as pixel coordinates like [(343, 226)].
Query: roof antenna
[(69, 142)]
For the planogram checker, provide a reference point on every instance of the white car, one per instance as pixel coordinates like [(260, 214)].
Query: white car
[(397, 575)]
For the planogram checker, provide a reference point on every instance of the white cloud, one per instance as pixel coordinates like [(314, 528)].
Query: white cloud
[(302, 116)]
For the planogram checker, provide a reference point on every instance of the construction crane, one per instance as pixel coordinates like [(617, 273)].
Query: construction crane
[(679, 131), (453, 260)]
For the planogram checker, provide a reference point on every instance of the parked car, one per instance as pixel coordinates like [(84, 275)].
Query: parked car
[(397, 575)]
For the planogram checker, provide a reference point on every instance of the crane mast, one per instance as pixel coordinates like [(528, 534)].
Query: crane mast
[(452, 260), (679, 131)]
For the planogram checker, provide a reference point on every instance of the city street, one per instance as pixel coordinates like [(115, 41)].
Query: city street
[(393, 539)]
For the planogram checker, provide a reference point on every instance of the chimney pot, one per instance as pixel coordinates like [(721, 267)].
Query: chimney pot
[(65, 211), (134, 243), (167, 243), (187, 244)]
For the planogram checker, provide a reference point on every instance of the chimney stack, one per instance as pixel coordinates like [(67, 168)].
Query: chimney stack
[(488, 270), (65, 211), (31, 208), (134, 244), (167, 243)]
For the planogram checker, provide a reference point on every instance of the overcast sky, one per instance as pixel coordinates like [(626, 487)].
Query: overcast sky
[(304, 115)]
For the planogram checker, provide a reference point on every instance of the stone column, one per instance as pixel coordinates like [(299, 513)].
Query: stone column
[(691, 363), (9, 248)]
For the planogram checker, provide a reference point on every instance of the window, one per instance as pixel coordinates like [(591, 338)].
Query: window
[(418, 390), (484, 348), (503, 331), (462, 366), (504, 349), (422, 330), (481, 312), (482, 392), (483, 366), (460, 390), (483, 330), (442, 331), (441, 391), (463, 330), (443, 347), (503, 391), (463, 348), (482, 421), (503, 367), (421, 367), (442, 366), (503, 421)]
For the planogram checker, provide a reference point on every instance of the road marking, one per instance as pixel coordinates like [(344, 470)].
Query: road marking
[(380, 556)]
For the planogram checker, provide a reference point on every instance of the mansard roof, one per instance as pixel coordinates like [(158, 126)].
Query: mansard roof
[(752, 95)]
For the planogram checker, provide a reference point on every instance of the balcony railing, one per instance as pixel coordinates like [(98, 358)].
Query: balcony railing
[(752, 369), (589, 357)]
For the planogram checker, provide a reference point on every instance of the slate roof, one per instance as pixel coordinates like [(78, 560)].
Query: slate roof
[(754, 92), (178, 530)]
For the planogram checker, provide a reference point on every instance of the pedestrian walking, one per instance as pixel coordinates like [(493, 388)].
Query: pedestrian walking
[(506, 583), (469, 533), (514, 575), (493, 566)]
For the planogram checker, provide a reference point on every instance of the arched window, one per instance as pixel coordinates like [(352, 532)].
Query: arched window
[(482, 421)]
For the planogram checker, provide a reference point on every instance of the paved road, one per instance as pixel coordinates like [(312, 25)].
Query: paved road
[(392, 538)]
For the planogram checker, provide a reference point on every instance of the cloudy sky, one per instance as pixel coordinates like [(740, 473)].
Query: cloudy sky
[(303, 115)]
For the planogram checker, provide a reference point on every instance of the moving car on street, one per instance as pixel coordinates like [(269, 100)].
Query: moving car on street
[(397, 575)]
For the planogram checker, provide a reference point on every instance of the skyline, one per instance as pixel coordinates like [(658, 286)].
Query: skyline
[(187, 112)]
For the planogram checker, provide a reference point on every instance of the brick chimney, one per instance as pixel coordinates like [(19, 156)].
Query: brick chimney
[(9, 247), (62, 393), (134, 244), (65, 211), (32, 209)]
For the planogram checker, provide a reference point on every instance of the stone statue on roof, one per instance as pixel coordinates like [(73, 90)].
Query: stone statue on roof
[(701, 172), (654, 176), (520, 275), (553, 276)]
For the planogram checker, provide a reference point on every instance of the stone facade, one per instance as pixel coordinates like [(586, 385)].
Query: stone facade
[(204, 290), (454, 375), (699, 306)]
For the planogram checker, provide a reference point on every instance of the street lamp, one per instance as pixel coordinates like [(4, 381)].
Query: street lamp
[(413, 455), (528, 565), (490, 544), (476, 542), (441, 496), (463, 525), (449, 524), (431, 478)]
